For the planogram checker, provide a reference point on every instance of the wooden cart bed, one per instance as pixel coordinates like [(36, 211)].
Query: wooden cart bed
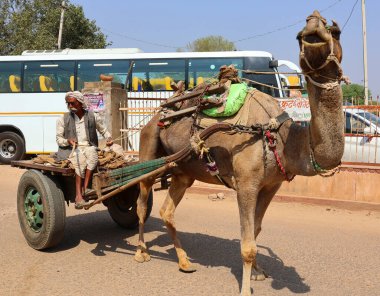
[(29, 164)]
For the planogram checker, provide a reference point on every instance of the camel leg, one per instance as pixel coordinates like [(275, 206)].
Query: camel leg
[(150, 148), (264, 198), (246, 196), (178, 186), (142, 254)]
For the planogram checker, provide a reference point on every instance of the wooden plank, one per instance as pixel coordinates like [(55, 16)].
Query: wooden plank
[(215, 89), (29, 164), (178, 113)]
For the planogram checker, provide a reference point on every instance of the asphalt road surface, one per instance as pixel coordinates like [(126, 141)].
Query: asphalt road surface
[(305, 249)]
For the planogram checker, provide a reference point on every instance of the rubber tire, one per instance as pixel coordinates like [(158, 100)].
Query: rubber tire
[(123, 207), (20, 146), (54, 210)]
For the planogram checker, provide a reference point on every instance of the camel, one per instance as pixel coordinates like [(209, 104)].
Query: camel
[(244, 161)]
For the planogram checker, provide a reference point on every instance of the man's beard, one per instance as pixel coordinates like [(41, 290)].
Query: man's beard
[(73, 110)]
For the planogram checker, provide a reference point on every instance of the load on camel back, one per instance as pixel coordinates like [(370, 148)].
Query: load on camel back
[(228, 101)]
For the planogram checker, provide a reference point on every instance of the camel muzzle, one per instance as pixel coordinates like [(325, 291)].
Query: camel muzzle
[(316, 25)]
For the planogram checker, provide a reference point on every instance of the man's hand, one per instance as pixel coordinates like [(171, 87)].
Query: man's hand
[(109, 141), (72, 142)]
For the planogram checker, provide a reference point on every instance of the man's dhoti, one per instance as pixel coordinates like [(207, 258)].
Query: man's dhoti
[(84, 157)]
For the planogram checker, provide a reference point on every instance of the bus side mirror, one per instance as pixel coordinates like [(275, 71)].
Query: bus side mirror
[(273, 64)]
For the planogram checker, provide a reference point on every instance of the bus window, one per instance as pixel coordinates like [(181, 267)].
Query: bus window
[(266, 83), (48, 76), (150, 75), (207, 69), (89, 71), (10, 77)]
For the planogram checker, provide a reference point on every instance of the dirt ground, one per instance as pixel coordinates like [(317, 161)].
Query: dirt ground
[(311, 250)]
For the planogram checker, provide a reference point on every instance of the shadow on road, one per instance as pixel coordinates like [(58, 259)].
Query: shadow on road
[(97, 228), (283, 276)]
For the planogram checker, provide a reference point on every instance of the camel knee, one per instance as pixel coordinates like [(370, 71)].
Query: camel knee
[(141, 209), (167, 217), (162, 212), (141, 213), (248, 252)]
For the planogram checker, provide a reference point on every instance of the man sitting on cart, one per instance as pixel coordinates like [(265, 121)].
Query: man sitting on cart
[(78, 141)]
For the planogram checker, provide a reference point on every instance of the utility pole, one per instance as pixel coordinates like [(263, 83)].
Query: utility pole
[(364, 26), (63, 7)]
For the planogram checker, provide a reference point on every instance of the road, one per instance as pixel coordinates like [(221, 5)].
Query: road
[(310, 250)]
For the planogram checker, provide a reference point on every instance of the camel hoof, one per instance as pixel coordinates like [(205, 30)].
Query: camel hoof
[(189, 268), (141, 257), (146, 257)]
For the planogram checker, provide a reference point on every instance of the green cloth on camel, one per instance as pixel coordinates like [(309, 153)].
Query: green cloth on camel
[(234, 102)]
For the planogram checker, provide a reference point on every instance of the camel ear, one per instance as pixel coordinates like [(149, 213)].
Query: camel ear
[(299, 35), (335, 24), (335, 30)]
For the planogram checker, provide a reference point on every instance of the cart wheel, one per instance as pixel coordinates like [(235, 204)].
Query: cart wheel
[(41, 210), (12, 147), (123, 207)]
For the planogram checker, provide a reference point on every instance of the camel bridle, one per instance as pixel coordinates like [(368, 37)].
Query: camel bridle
[(330, 58)]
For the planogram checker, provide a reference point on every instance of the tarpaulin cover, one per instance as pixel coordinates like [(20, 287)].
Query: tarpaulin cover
[(234, 102)]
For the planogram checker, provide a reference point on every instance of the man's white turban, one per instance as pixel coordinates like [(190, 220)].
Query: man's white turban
[(77, 95)]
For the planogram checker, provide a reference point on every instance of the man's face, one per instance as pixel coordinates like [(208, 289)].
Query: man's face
[(73, 104)]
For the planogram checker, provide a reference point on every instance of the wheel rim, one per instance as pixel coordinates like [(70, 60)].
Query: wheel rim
[(34, 209), (8, 148)]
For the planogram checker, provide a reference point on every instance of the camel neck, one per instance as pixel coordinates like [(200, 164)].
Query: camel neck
[(326, 130), (324, 136)]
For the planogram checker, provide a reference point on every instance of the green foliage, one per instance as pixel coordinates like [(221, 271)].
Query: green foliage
[(34, 24), (211, 43), (354, 93)]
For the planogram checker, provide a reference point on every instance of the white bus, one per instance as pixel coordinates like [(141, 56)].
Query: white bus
[(32, 85)]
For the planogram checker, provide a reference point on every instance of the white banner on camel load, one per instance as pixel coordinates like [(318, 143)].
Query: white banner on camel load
[(298, 108)]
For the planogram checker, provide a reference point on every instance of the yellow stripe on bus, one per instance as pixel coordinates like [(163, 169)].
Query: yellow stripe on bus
[(38, 152)]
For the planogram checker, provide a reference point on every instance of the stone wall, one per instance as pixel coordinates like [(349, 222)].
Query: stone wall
[(111, 95), (352, 183)]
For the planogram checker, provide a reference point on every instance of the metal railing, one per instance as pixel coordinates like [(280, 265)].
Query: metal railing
[(362, 134), (136, 111)]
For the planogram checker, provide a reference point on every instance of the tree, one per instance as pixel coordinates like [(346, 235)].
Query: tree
[(34, 24), (211, 43), (354, 92), (7, 7)]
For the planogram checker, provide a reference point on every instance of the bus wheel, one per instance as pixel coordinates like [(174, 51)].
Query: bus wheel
[(123, 207), (41, 210), (12, 147)]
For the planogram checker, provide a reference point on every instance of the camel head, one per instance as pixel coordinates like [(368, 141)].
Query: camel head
[(320, 48)]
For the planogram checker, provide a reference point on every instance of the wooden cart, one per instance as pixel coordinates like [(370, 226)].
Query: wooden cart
[(43, 191)]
